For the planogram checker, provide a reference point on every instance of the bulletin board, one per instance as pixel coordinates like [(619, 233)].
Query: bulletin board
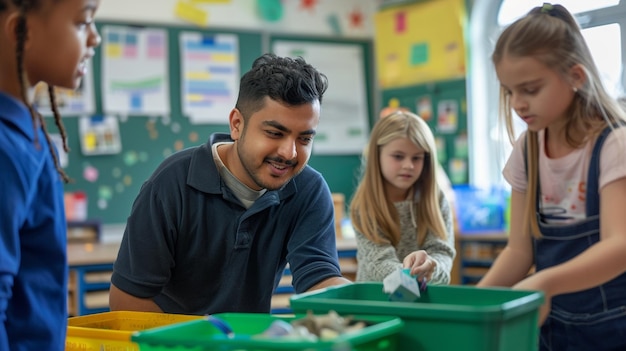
[(421, 42), (112, 180)]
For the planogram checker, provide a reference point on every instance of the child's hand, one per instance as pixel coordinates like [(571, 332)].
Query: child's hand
[(420, 264)]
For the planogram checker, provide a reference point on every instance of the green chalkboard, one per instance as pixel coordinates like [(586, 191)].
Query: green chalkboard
[(147, 141)]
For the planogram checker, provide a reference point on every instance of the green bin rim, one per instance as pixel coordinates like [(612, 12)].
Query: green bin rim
[(526, 301)]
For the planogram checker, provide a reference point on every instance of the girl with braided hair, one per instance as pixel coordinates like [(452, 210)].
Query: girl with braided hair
[(46, 41)]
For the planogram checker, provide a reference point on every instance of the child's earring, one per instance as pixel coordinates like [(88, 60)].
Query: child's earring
[(575, 90)]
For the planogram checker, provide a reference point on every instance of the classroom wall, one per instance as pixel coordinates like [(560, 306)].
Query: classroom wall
[(112, 181), (345, 18)]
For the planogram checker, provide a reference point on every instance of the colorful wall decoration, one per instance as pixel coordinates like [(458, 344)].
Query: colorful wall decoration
[(420, 43)]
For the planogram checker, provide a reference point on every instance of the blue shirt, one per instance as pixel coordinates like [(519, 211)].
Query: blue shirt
[(193, 247), (33, 244)]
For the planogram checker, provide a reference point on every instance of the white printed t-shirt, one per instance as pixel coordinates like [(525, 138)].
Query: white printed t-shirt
[(563, 180)]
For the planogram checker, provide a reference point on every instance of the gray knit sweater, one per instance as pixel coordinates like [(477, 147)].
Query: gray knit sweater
[(376, 261)]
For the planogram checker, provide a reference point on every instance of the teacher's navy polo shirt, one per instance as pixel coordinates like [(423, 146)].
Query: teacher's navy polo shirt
[(192, 246)]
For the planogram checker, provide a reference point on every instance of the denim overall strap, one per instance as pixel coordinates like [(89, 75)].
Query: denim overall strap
[(592, 319), (593, 175)]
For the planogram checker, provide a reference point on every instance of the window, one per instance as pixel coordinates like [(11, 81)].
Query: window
[(608, 58), (603, 23)]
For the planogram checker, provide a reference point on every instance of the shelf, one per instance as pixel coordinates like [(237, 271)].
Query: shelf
[(477, 252), (89, 289), (346, 251), (97, 301), (486, 236), (476, 263)]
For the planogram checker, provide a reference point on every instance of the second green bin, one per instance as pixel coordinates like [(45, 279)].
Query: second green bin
[(201, 335), (444, 318)]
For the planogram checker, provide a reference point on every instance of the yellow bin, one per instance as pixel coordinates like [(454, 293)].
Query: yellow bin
[(112, 330)]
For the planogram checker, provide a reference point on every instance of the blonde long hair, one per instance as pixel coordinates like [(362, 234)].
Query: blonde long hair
[(372, 214), (551, 35)]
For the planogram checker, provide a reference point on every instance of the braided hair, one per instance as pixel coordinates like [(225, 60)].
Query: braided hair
[(24, 6)]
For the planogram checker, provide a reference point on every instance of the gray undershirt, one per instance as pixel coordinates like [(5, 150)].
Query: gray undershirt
[(246, 195)]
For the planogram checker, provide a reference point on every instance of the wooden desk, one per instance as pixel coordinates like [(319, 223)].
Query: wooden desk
[(106, 253), (91, 253)]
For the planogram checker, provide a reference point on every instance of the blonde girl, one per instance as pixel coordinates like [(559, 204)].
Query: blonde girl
[(400, 215)]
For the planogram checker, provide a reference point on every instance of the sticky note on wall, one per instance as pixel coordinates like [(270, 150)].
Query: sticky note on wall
[(191, 13), (419, 54), (400, 22)]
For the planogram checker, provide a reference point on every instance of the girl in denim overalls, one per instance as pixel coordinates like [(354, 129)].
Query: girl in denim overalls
[(568, 178)]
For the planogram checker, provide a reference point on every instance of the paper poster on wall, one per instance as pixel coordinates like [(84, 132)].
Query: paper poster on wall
[(210, 76), (69, 102), (457, 171), (344, 121), (190, 12), (99, 135), (447, 116), (424, 107), (134, 71)]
